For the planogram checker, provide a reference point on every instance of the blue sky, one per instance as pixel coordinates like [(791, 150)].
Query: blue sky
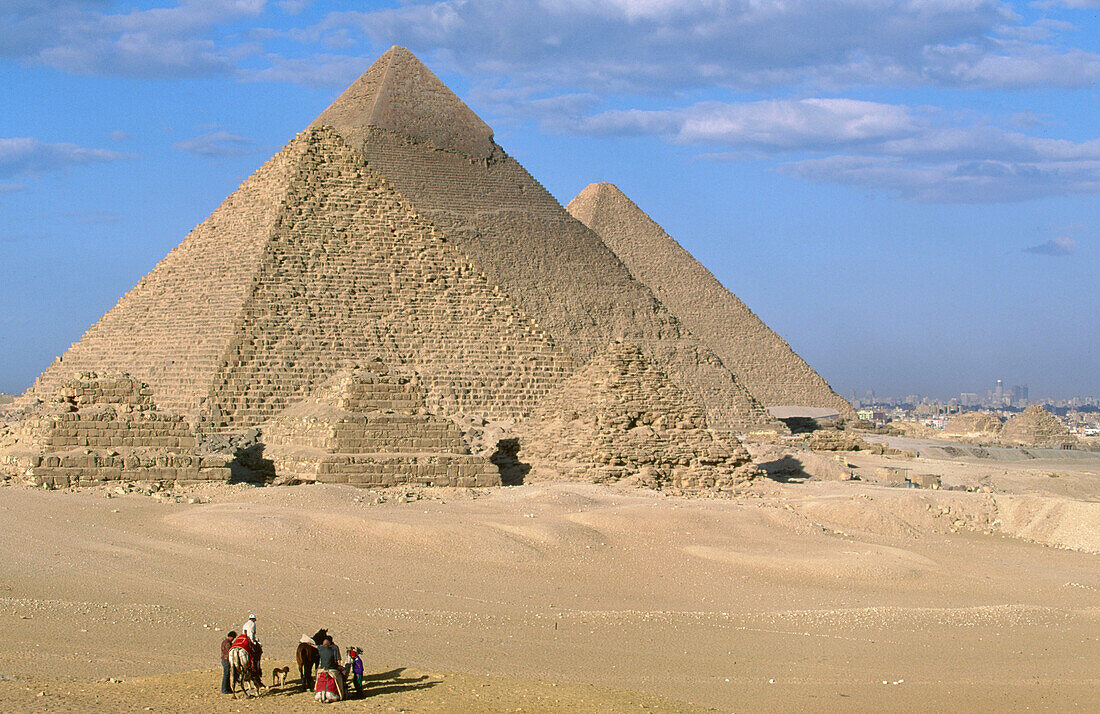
[(906, 190)]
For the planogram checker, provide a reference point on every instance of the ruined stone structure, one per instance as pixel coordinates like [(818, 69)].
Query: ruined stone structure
[(621, 416), (974, 426), (395, 228), (761, 359), (368, 427), (105, 427), (1036, 426)]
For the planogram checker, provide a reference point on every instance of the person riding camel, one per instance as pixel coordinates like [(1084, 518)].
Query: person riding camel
[(247, 640), (250, 629)]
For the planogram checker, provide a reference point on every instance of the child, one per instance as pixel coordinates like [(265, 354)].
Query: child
[(356, 670)]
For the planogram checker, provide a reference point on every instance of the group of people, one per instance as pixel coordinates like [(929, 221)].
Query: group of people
[(332, 675)]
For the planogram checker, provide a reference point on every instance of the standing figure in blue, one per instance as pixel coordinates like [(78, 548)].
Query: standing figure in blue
[(356, 670)]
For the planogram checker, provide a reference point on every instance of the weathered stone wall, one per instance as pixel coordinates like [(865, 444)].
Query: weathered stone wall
[(760, 358), (622, 417)]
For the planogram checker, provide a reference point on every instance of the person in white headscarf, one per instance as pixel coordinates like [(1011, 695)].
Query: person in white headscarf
[(250, 629)]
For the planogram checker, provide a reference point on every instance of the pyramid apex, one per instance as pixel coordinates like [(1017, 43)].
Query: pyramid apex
[(585, 204), (399, 93)]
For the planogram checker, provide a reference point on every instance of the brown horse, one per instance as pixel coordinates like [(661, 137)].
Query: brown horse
[(307, 658)]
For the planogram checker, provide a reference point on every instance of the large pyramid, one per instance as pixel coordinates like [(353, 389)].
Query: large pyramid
[(761, 359), (393, 227)]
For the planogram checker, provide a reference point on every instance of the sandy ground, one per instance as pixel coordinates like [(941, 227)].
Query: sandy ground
[(552, 597)]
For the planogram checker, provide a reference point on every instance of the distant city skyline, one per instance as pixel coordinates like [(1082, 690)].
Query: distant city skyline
[(1012, 396), (905, 192)]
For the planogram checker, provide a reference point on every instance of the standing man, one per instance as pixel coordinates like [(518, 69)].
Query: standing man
[(329, 661), (227, 644)]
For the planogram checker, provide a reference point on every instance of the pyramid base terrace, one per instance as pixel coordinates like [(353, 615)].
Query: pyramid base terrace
[(89, 469), (387, 469)]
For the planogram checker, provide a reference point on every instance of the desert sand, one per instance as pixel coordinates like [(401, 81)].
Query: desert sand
[(551, 596)]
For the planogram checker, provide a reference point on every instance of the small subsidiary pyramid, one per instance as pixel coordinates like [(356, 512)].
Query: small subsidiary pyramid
[(369, 427), (620, 417), (1036, 426), (105, 427), (761, 359)]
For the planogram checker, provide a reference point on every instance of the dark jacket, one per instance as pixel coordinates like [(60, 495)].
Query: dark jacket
[(329, 657)]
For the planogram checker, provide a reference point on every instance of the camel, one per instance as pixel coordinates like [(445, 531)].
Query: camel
[(241, 671)]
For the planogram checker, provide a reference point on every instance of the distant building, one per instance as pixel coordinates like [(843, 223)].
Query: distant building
[(969, 399), (1019, 395)]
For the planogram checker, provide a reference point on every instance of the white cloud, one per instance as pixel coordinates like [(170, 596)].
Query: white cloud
[(1062, 245), (317, 71), (293, 7), (218, 143), (25, 156), (916, 154), (780, 124), (77, 36), (660, 45), (1073, 4), (959, 181)]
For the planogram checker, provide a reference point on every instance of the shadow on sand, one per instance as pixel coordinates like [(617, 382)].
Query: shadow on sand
[(788, 469), (373, 684)]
